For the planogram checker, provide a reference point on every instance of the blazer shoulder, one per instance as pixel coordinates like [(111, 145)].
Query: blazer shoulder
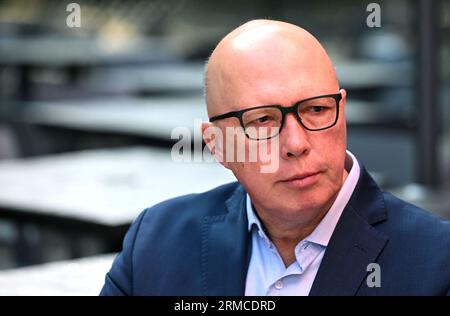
[(184, 212), (409, 218), (416, 260), (200, 201)]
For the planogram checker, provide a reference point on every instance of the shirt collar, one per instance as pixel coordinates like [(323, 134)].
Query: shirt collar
[(322, 233), (251, 216)]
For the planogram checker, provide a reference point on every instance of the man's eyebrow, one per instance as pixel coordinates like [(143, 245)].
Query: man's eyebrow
[(261, 104)]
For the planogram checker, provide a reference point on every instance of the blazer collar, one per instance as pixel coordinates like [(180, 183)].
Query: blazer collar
[(355, 242)]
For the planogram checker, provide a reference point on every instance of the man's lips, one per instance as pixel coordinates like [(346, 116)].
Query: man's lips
[(302, 180)]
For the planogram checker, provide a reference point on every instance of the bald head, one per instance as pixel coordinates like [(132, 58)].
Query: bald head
[(262, 56)]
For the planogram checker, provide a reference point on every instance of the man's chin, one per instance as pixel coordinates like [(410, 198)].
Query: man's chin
[(303, 201)]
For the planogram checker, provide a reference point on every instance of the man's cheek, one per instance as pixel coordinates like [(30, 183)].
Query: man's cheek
[(269, 156)]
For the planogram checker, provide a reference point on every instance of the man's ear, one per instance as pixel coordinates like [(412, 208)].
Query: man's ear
[(214, 139), (344, 98)]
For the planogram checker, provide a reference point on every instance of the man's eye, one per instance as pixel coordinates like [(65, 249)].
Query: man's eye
[(317, 108), (262, 119)]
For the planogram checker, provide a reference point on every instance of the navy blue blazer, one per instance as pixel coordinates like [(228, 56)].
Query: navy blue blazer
[(199, 244)]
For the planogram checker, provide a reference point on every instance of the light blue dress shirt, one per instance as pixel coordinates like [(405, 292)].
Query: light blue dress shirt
[(267, 274)]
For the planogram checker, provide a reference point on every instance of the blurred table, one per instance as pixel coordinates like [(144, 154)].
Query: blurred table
[(67, 278), (176, 78), (52, 127), (97, 192), (147, 117)]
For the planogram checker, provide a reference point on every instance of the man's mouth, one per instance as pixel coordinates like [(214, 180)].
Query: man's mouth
[(302, 180)]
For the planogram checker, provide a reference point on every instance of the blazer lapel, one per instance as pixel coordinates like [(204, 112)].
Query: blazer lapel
[(355, 242), (224, 249)]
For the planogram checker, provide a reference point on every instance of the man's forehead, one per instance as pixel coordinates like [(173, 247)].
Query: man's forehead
[(273, 95), (284, 86)]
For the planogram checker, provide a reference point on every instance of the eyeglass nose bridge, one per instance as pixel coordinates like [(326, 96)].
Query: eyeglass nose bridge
[(291, 110)]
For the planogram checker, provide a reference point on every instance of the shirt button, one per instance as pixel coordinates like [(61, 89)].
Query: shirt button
[(279, 285)]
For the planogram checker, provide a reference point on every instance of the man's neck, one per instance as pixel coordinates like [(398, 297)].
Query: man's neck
[(285, 235)]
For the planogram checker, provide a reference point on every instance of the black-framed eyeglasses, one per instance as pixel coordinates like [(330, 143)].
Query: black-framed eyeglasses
[(266, 121)]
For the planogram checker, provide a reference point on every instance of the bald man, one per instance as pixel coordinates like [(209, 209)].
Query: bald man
[(315, 224)]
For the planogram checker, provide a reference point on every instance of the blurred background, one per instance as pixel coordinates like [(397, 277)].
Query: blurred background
[(87, 114)]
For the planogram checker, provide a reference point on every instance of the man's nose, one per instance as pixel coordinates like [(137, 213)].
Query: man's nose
[(294, 140)]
